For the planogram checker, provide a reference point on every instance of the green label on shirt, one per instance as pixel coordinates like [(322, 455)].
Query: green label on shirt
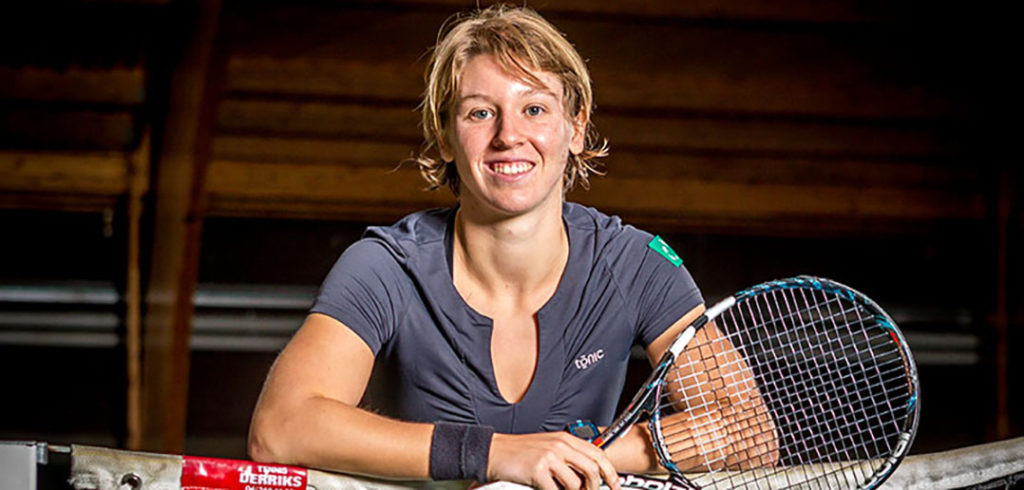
[(659, 245)]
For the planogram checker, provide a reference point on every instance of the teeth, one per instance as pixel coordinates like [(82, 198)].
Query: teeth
[(511, 168)]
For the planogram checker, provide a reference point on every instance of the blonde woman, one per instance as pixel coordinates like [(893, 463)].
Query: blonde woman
[(500, 320)]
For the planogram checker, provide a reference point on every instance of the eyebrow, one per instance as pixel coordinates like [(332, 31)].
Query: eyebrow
[(526, 93)]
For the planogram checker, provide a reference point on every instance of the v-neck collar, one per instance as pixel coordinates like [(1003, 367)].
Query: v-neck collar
[(474, 334)]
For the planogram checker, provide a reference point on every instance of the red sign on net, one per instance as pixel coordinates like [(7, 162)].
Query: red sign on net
[(231, 474)]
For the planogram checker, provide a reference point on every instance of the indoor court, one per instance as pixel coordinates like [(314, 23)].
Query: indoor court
[(179, 177)]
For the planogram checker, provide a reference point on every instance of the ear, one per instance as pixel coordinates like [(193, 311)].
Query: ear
[(579, 134), (444, 148)]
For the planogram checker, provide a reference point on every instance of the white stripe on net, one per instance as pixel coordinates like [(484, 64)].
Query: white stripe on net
[(806, 476)]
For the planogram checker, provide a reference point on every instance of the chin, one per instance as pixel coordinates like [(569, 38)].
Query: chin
[(522, 206)]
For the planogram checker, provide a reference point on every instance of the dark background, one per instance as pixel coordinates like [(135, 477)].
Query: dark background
[(864, 141)]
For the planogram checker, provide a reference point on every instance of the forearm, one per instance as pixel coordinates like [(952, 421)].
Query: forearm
[(633, 452), (722, 435), (323, 433)]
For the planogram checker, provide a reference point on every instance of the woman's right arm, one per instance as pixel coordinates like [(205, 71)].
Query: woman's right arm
[(307, 415)]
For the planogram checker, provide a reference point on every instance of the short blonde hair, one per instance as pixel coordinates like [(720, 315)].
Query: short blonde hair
[(522, 42)]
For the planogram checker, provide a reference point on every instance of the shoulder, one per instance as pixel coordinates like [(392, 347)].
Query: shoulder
[(387, 251), (409, 235), (610, 239)]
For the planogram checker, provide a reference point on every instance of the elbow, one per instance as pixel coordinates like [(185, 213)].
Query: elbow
[(769, 442), (771, 458), (260, 451), (265, 445)]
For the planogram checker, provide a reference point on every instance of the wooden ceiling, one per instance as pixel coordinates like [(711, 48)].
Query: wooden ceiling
[(771, 117), (749, 116)]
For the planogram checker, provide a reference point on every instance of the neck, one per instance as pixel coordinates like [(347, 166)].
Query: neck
[(514, 256)]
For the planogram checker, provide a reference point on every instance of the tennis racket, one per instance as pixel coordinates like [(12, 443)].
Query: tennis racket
[(794, 383)]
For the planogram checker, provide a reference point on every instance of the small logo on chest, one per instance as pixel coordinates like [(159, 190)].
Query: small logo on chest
[(587, 360)]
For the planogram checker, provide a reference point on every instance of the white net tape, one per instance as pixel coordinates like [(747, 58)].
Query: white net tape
[(109, 469)]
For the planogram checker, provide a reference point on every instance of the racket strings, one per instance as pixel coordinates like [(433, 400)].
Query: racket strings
[(693, 376), (815, 371), (696, 376), (818, 382), (825, 310), (709, 403), (876, 391)]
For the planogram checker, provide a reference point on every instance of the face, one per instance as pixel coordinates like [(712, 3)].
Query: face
[(510, 140)]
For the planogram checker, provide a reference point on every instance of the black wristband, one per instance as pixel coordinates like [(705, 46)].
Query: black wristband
[(459, 451)]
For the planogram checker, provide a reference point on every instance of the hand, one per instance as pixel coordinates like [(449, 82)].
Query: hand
[(548, 460)]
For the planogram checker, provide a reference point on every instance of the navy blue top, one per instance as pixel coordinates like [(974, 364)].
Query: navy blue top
[(394, 289)]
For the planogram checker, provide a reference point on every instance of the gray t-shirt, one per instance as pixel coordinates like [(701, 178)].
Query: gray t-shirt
[(394, 289)]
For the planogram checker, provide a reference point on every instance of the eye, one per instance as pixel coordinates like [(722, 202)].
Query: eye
[(480, 114), (534, 110)]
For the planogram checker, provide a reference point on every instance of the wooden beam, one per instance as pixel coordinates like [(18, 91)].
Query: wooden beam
[(657, 163), (274, 189), (68, 130), (102, 174), (660, 66), (57, 202), (324, 191), (261, 74), (400, 122), (789, 11), (129, 2), (333, 151), (117, 85), (796, 170), (732, 201), (138, 183), (179, 186), (319, 119)]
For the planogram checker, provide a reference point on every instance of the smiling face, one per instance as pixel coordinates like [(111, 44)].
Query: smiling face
[(510, 139)]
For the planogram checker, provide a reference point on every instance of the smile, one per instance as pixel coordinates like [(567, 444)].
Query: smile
[(511, 168)]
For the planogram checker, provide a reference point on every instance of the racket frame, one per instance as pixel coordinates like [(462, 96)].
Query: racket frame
[(646, 400)]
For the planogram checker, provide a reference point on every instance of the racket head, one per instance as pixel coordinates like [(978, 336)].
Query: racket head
[(829, 367)]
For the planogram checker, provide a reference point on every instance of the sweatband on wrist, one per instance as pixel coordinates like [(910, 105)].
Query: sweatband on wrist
[(459, 451)]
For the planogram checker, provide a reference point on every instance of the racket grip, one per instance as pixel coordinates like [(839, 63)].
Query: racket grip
[(584, 429)]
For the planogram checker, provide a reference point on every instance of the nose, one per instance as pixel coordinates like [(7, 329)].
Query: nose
[(508, 132)]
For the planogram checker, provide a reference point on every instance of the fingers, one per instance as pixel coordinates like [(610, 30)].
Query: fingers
[(587, 467), (589, 462), (549, 460), (605, 470), (608, 473), (568, 478)]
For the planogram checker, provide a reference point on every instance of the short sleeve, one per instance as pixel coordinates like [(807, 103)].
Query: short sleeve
[(365, 290), (661, 291)]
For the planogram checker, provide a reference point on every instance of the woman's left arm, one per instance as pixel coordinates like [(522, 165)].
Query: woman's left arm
[(717, 375)]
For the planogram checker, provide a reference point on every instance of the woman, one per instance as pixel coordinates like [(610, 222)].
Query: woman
[(504, 318)]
